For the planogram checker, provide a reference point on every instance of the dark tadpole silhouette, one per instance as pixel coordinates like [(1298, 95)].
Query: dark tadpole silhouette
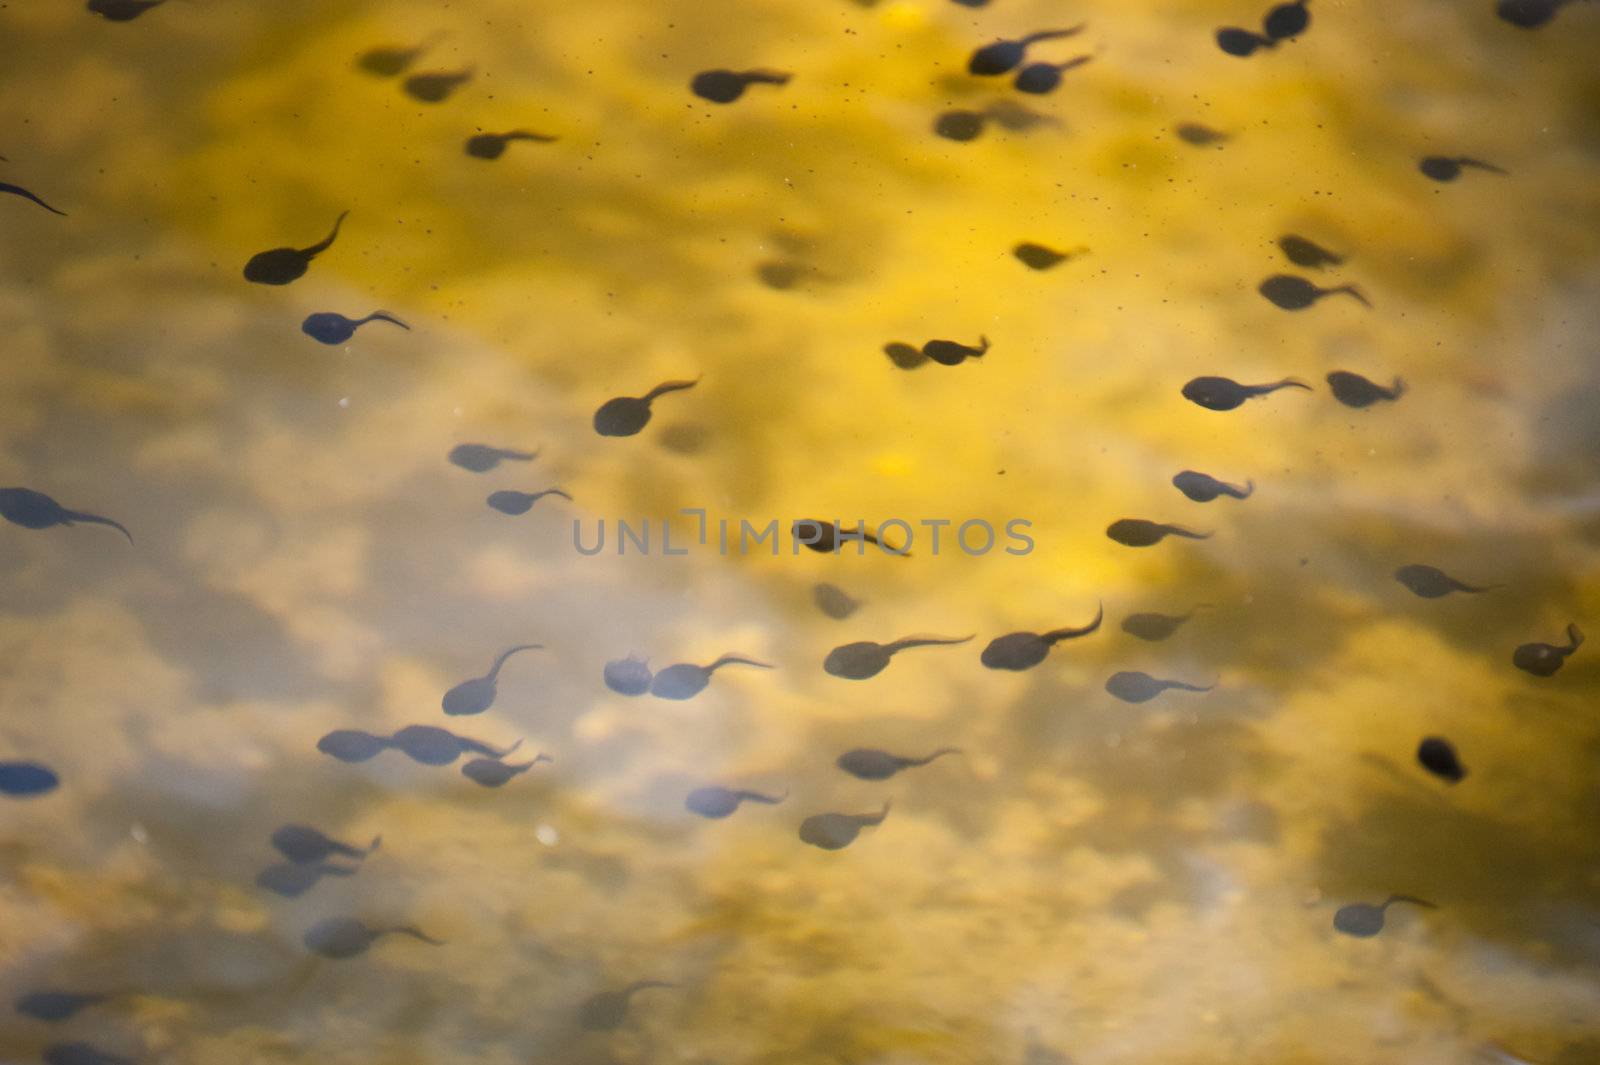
[(860, 661), (950, 353), (493, 773), (626, 415), (834, 601), (1203, 488), (353, 745), (1003, 56), (1200, 136), (1438, 756), (628, 676), (347, 937), (1356, 391), (18, 190), (81, 1054), (481, 458), (303, 844), (826, 538), (714, 803), (1140, 532), (686, 680), (291, 880), (1154, 627), (1039, 257), (1291, 293), (606, 1011), (1543, 659), (959, 125), (1134, 687), (1287, 20), (1303, 252), (1427, 582), (517, 503), (835, 832), (493, 145), (477, 695), (435, 86), (121, 10), (1529, 14), (1222, 393), (35, 510), (1446, 168), (867, 763), (328, 327), (1017, 651), (56, 1006), (388, 61), (1242, 43), (430, 745), (726, 86), (904, 355), (1363, 920), (279, 266), (1041, 78)]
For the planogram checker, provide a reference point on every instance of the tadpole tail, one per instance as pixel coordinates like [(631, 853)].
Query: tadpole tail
[(1574, 637), (528, 135), (756, 796), (1188, 534), (326, 242), (95, 519), (736, 660), (553, 492), (1056, 635), (868, 820), (912, 763), (1186, 687), (1392, 899), (1479, 164), (924, 641), (416, 933), (1050, 35), (764, 77), (668, 386), (494, 670), (1351, 291), (1397, 389), (18, 190), (1287, 382), (484, 748), (1461, 586), (384, 316)]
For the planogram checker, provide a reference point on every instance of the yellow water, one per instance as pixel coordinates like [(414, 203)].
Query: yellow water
[(1091, 881)]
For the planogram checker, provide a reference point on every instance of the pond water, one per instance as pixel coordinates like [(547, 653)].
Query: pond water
[(1107, 870)]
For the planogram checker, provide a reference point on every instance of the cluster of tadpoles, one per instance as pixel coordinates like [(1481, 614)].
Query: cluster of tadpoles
[(1282, 23)]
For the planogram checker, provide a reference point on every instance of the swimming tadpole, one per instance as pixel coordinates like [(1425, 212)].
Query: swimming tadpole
[(353, 745), (607, 1011), (436, 86), (1222, 393), (292, 880), (1438, 756), (430, 745), (686, 680), (627, 415), (869, 763), (1003, 56), (950, 353), (1041, 78), (514, 504), (1017, 651), (481, 458), (1363, 920), (328, 327), (1242, 43), (477, 695), (903, 355), (714, 803), (1356, 391), (1303, 252), (25, 780), (726, 86), (1290, 293), (865, 659), (121, 10), (834, 601), (35, 510), (1140, 532), (1286, 21), (1153, 627), (341, 938), (1543, 659), (1429, 582), (1203, 488), (1132, 686), (1201, 136), (834, 832), (17, 190), (1041, 257), (279, 266), (493, 145), (390, 60), (1444, 168), (493, 773), (55, 1006), (826, 538), (628, 676), (303, 845)]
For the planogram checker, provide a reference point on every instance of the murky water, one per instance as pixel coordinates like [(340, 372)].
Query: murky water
[(1090, 879)]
